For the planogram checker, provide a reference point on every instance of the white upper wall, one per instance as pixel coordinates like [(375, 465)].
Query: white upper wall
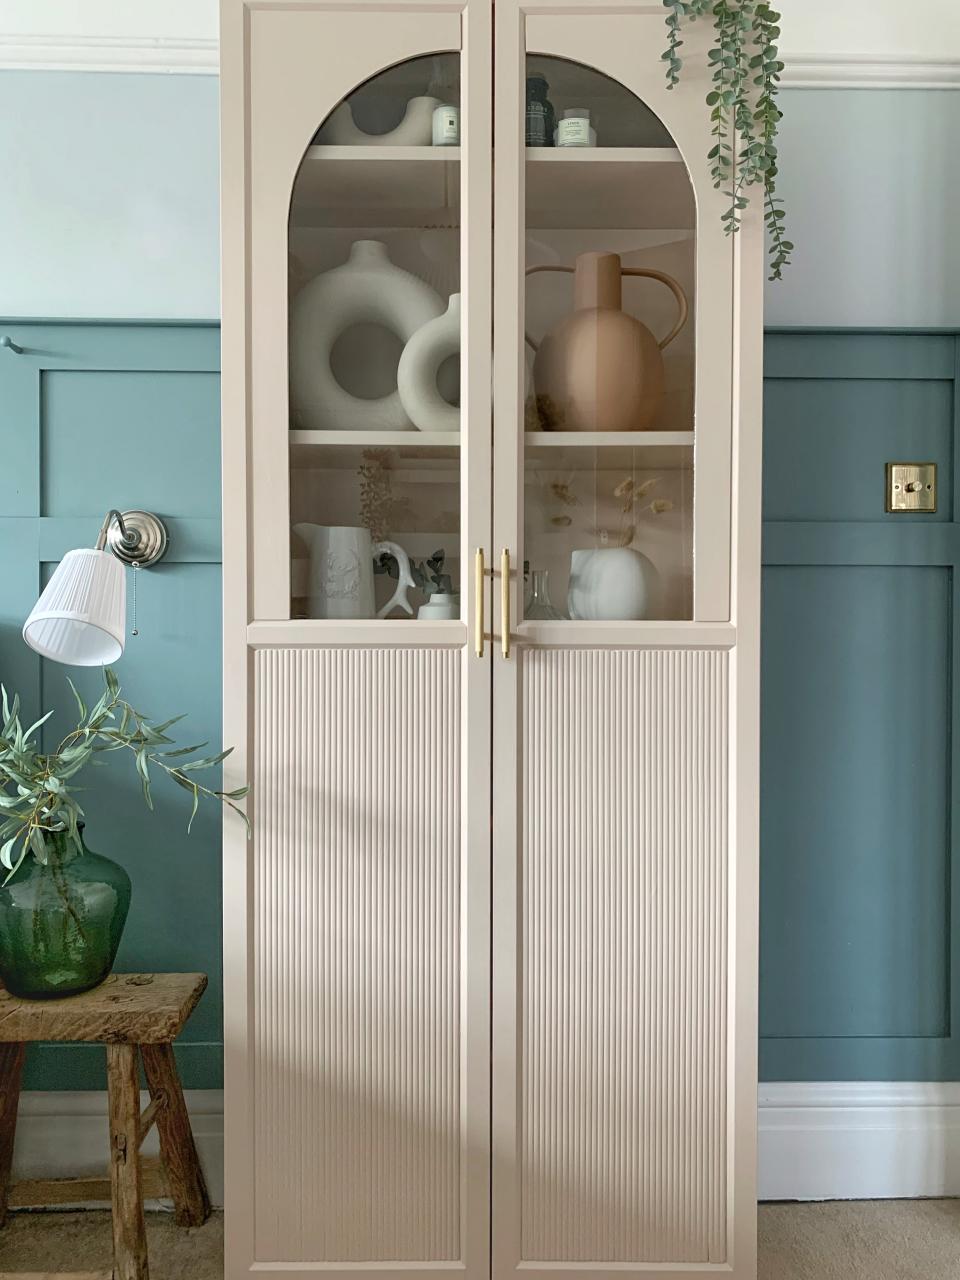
[(111, 180), (110, 196), (156, 19), (927, 30)]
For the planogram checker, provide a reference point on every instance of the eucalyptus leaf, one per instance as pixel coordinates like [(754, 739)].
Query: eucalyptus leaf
[(745, 68)]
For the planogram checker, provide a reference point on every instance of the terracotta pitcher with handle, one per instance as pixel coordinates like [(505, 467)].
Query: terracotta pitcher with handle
[(601, 369)]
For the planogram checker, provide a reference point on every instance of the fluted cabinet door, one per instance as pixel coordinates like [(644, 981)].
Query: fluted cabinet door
[(625, 735), (357, 913), (358, 932), (613, 1146), (621, 1006)]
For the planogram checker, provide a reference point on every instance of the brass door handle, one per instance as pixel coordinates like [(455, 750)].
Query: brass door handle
[(478, 602), (505, 602)]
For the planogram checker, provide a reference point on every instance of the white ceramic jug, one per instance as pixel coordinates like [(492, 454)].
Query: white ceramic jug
[(612, 583), (341, 572)]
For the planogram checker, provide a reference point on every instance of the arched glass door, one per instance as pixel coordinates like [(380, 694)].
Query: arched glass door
[(374, 350)]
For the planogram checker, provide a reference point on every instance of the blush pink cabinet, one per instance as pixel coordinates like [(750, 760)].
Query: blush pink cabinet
[(490, 948)]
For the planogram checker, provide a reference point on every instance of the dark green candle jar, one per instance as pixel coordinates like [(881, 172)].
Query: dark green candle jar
[(61, 922)]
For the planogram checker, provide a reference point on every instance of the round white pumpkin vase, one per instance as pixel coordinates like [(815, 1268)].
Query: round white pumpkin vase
[(612, 584), (367, 289), (417, 373), (414, 130)]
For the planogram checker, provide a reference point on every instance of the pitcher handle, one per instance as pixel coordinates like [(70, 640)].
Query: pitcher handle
[(532, 271), (405, 582), (681, 297), (674, 288)]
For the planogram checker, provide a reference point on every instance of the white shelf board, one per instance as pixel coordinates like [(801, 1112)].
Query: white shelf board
[(341, 450), (604, 155), (580, 187), (377, 186), (610, 450), (643, 188)]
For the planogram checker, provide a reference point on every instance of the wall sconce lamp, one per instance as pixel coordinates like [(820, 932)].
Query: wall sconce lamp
[(81, 617)]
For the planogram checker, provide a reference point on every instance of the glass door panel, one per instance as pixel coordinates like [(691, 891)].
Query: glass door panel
[(610, 258), (374, 317)]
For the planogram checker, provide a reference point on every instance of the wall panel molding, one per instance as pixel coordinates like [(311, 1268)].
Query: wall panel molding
[(860, 953)]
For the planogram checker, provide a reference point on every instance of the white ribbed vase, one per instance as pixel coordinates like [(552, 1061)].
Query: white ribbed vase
[(81, 616)]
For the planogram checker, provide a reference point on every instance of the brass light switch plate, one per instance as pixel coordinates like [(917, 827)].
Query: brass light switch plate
[(911, 486)]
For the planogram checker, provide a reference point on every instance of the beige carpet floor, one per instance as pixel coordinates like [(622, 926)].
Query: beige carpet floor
[(842, 1240)]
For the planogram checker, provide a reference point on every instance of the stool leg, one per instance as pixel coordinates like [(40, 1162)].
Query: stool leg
[(177, 1148), (129, 1237), (11, 1069)]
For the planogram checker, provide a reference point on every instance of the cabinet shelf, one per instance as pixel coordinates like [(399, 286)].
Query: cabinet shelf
[(646, 450), (586, 187), (378, 186), (342, 449)]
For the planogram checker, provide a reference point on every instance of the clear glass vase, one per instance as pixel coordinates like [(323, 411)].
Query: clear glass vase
[(539, 606), (60, 923)]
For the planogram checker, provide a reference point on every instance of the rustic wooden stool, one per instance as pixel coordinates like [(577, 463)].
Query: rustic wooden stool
[(130, 1012)]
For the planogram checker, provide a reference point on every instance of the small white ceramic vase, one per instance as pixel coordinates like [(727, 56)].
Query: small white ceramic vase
[(419, 367), (367, 289), (440, 605), (340, 583), (414, 130), (613, 584)]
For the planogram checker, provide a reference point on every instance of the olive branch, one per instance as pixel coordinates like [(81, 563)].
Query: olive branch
[(36, 794)]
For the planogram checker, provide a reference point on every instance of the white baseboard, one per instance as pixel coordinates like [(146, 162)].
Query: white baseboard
[(863, 1140), (859, 1141), (64, 1135)]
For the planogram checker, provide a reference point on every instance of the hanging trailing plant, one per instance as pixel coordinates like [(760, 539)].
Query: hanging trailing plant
[(743, 106)]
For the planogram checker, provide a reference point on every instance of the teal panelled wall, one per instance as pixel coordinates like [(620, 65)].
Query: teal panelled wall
[(859, 870), (859, 873), (94, 416)]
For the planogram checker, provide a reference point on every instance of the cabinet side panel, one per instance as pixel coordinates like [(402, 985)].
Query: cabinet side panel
[(357, 939), (623, 1018)]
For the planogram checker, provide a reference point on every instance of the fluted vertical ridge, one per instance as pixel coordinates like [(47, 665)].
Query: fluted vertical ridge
[(623, 1017), (356, 967)]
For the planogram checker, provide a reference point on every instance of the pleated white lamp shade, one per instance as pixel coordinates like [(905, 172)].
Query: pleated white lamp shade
[(81, 616)]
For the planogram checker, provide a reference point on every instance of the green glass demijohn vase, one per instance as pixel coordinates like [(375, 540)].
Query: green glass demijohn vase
[(61, 922)]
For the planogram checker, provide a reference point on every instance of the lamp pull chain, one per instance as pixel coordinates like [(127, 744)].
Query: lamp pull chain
[(135, 564)]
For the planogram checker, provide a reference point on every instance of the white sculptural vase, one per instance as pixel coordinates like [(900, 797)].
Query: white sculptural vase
[(367, 289), (341, 572), (419, 368), (612, 584), (414, 130)]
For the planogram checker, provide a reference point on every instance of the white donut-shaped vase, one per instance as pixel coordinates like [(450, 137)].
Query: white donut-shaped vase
[(419, 366), (367, 289), (414, 130)]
